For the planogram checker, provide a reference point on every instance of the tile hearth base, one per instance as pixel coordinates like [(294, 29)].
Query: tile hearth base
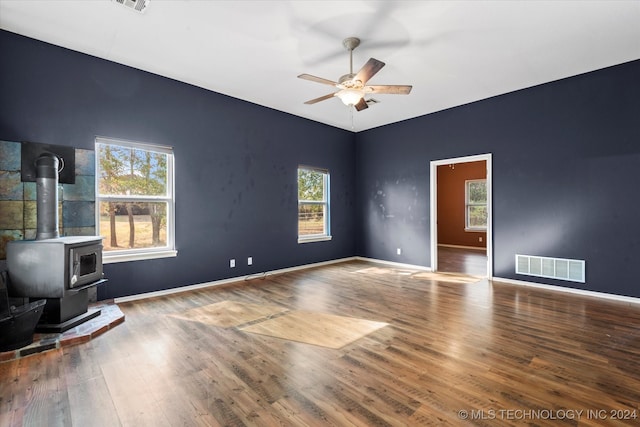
[(109, 317)]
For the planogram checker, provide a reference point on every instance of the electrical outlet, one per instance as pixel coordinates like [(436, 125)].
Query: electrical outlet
[(399, 251), (480, 239), (250, 260), (232, 263)]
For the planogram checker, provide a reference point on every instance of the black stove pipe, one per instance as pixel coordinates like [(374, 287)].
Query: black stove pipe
[(47, 196)]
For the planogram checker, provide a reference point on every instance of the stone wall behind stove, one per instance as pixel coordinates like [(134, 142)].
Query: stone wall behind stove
[(76, 202)]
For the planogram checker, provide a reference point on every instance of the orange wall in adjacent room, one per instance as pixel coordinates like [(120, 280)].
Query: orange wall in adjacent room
[(451, 206)]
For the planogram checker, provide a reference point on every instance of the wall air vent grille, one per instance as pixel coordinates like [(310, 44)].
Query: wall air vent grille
[(554, 268), (138, 5)]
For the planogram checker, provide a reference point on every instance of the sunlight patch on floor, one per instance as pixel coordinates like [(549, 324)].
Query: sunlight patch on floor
[(420, 274), (229, 313), (325, 330)]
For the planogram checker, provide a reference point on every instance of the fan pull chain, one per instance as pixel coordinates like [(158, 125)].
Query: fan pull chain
[(351, 112)]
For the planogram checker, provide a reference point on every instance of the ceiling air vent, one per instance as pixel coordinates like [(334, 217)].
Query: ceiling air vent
[(138, 5)]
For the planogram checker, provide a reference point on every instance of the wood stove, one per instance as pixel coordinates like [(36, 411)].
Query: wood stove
[(60, 269)]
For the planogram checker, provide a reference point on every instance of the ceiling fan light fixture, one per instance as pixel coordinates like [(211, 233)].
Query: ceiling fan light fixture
[(350, 96), (353, 86)]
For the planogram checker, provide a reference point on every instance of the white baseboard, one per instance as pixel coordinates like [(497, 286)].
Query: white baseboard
[(197, 286), (165, 292), (394, 264), (583, 292), (475, 248)]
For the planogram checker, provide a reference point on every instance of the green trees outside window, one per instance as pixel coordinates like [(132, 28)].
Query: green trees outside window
[(135, 195), (313, 203), (476, 204)]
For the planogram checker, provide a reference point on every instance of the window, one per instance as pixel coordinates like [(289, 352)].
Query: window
[(313, 204), (476, 205), (135, 200)]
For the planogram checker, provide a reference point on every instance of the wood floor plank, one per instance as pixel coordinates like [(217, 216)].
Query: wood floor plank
[(47, 396), (92, 390), (456, 350)]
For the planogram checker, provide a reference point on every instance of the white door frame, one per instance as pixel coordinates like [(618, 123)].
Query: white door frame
[(434, 207)]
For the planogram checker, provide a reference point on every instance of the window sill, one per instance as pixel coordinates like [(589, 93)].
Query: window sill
[(137, 256), (476, 230), (310, 239)]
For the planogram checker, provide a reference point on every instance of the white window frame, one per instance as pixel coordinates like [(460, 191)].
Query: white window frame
[(123, 255), (467, 205), (307, 238)]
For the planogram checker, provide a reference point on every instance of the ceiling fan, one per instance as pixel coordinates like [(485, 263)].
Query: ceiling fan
[(353, 87)]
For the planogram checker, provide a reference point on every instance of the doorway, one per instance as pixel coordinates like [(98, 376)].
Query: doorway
[(456, 254)]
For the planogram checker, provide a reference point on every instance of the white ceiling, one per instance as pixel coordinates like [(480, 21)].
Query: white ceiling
[(452, 52)]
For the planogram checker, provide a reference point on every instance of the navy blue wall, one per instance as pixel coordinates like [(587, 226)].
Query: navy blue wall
[(566, 159), (566, 172), (236, 162)]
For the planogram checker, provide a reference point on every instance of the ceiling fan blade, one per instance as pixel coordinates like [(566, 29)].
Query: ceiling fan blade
[(322, 98), (317, 79), (361, 105), (368, 70), (392, 89)]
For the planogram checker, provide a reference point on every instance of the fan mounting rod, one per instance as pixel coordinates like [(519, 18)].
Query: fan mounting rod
[(351, 43)]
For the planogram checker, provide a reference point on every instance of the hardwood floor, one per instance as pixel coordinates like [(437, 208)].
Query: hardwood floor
[(462, 260), (454, 352)]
